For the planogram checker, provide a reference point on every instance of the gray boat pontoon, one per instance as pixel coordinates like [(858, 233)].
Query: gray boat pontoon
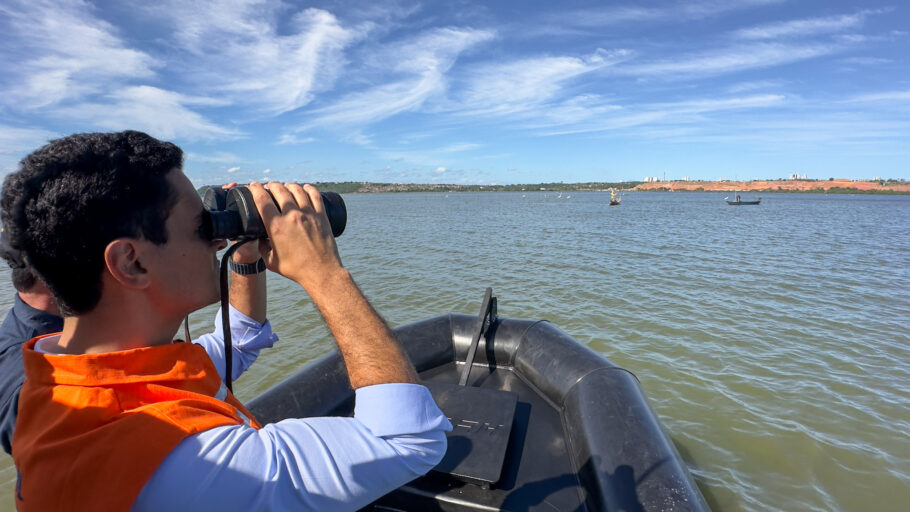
[(542, 422)]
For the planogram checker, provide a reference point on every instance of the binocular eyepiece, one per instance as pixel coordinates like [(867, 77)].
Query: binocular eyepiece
[(232, 214)]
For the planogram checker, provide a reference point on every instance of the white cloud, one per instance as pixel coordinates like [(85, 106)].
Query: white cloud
[(15, 143), (22, 140), (219, 157), (811, 131), (888, 96), (64, 52), (656, 114), (290, 138), (715, 105), (420, 64), (866, 61), (799, 28), (260, 52), (740, 58), (754, 85), (160, 113), (805, 27), (233, 169), (440, 170), (460, 146), (267, 171), (526, 83), (622, 15)]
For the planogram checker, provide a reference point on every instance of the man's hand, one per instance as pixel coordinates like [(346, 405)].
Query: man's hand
[(304, 250), (302, 246)]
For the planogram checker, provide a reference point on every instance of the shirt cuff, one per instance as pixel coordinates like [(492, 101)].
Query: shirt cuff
[(397, 409), (246, 333)]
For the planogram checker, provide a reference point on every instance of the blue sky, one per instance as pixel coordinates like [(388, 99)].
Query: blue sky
[(470, 92)]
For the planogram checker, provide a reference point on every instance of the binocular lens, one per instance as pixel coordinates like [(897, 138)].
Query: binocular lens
[(232, 214)]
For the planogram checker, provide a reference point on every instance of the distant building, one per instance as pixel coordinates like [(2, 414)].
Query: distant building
[(686, 178), (652, 179)]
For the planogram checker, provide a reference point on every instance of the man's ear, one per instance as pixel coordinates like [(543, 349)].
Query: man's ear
[(122, 258)]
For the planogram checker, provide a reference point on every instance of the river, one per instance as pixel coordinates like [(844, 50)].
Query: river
[(772, 340)]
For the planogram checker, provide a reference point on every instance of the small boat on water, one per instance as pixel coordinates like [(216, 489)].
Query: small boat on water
[(541, 422), (737, 201), (614, 199)]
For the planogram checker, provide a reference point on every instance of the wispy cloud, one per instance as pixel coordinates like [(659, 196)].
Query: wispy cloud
[(460, 146), (523, 84), (159, 112), (421, 65), (63, 52), (737, 58), (755, 85), (657, 114), (15, 140), (866, 61), (624, 15), (888, 96), (219, 157), (238, 46), (810, 131), (806, 27), (290, 138)]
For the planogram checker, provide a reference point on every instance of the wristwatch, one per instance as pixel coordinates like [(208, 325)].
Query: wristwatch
[(247, 269)]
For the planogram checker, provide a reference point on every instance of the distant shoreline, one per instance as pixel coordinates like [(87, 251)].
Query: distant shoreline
[(841, 186)]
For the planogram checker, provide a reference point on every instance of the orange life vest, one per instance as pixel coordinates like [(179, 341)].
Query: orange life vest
[(93, 428)]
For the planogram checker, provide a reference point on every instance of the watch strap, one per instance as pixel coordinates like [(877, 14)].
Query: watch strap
[(247, 269)]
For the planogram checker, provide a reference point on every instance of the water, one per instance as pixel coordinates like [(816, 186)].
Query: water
[(772, 340)]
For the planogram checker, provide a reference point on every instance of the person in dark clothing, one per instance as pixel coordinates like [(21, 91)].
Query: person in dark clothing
[(34, 313)]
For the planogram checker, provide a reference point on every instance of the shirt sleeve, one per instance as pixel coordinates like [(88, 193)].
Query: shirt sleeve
[(336, 463), (248, 337)]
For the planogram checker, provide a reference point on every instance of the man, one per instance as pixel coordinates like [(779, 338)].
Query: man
[(113, 416), (35, 313)]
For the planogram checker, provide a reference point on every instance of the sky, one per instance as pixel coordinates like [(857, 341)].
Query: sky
[(467, 92)]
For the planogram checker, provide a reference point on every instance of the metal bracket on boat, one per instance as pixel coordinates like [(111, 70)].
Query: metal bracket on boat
[(482, 417), (484, 321)]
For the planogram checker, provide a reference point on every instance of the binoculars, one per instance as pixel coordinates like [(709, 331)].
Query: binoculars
[(232, 214)]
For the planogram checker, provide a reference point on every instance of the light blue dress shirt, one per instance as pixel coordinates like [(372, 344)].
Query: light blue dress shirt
[(248, 337), (329, 464)]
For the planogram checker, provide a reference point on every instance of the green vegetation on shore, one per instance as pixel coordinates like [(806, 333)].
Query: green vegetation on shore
[(351, 187)]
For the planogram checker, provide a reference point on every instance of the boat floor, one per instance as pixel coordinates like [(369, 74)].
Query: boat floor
[(537, 472)]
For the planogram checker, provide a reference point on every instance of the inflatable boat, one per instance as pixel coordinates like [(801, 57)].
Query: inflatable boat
[(541, 422)]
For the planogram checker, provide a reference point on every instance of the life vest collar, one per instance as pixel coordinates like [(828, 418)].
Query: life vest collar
[(160, 363)]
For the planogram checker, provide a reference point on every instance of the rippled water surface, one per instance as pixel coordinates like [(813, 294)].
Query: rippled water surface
[(772, 340)]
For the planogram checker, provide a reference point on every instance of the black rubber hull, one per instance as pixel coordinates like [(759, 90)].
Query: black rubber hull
[(584, 436)]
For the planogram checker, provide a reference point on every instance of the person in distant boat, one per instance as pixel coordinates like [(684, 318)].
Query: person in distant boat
[(115, 416), (737, 197), (34, 313)]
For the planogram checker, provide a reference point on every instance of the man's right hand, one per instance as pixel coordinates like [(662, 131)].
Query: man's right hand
[(302, 246), (303, 249)]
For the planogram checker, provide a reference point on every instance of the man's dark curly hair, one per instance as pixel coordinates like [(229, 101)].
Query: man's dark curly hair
[(73, 196)]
